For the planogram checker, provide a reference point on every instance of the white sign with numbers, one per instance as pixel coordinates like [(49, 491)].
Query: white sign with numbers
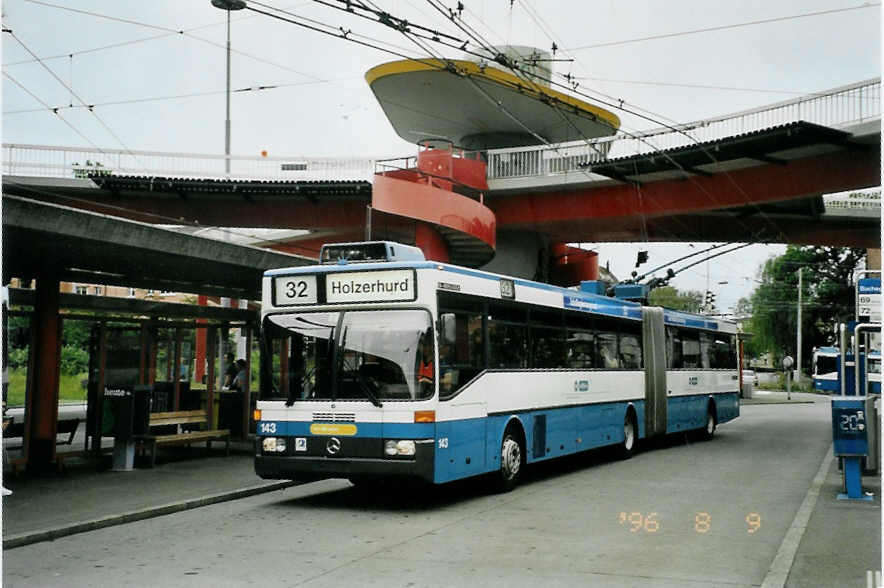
[(294, 290)]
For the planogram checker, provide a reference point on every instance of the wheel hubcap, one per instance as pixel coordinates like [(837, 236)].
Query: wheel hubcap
[(511, 458), (628, 434), (710, 424)]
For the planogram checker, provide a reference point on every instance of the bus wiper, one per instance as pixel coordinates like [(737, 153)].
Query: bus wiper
[(360, 379), (366, 387)]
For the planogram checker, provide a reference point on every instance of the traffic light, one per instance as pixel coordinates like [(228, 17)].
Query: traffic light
[(642, 258), (709, 302)]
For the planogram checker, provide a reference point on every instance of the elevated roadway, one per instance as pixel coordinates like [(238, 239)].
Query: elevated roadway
[(758, 175)]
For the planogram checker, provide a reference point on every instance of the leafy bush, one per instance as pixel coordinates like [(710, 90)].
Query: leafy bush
[(74, 360), (18, 358)]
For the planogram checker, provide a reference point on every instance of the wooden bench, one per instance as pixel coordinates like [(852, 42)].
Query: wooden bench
[(65, 427), (150, 441)]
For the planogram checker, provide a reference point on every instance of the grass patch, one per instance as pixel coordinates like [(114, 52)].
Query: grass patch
[(70, 388)]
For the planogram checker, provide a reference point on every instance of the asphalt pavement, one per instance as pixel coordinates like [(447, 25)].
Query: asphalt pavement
[(827, 537)]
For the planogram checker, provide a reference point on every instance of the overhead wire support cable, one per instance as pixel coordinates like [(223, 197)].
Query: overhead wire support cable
[(169, 32), (725, 27), (54, 111), (74, 94)]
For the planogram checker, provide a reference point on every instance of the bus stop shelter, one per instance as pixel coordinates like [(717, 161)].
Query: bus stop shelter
[(50, 244)]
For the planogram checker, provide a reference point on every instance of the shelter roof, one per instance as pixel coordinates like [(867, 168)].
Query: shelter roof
[(95, 248)]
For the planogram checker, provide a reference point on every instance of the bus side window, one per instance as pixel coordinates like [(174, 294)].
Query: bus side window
[(630, 352), (462, 359), (706, 350), (608, 350), (690, 349), (674, 359), (580, 349)]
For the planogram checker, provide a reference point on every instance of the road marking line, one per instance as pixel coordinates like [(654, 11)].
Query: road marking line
[(782, 563)]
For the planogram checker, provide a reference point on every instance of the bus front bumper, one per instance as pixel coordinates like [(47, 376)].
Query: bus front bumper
[(308, 468)]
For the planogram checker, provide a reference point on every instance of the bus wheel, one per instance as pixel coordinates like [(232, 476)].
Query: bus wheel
[(511, 462), (630, 436), (709, 429)]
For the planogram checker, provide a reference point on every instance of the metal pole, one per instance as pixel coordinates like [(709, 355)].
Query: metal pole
[(856, 351), (228, 5), (798, 367), (842, 338), (788, 384), (227, 119)]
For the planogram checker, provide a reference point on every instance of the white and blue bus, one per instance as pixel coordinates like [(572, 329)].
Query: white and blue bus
[(377, 363)]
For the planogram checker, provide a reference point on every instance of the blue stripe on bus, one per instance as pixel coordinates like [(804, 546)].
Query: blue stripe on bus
[(471, 447)]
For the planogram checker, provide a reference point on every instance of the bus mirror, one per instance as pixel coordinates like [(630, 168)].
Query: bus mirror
[(447, 328)]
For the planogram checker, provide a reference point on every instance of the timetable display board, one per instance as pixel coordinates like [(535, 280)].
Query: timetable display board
[(868, 300)]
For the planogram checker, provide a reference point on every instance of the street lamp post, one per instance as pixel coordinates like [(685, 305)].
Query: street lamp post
[(228, 5)]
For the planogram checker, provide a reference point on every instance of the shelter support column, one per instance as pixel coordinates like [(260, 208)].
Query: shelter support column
[(41, 416), (200, 369), (210, 376), (247, 385)]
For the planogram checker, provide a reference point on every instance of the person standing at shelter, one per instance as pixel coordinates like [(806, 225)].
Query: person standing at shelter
[(239, 380), (230, 372)]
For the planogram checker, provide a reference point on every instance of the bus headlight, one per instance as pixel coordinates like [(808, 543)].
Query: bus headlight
[(273, 444), (395, 448)]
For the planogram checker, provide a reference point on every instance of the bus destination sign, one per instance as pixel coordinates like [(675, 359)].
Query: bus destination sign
[(386, 286)]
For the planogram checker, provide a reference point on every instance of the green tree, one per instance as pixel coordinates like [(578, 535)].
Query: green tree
[(827, 299), (670, 297)]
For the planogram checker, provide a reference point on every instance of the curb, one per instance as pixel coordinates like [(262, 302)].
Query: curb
[(29, 538)]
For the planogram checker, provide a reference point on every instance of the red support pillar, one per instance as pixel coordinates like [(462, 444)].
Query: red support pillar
[(200, 369), (210, 377), (41, 416)]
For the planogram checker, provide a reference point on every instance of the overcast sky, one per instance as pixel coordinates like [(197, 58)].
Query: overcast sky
[(323, 107)]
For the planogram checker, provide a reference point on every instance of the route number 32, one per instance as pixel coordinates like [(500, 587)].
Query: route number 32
[(295, 290)]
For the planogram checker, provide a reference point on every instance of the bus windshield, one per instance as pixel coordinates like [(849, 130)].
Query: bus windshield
[(373, 355)]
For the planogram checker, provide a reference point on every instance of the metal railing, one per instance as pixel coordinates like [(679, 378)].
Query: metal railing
[(75, 162), (839, 107)]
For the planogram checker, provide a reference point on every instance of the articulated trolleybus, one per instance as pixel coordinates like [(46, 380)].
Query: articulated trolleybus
[(378, 364)]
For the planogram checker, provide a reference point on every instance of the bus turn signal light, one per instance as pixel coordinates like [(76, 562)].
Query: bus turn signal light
[(425, 416), (256, 415)]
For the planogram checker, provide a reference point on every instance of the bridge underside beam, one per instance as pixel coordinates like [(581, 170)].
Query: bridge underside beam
[(749, 187), (717, 227)]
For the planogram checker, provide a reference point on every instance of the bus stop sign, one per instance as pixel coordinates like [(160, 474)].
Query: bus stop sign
[(849, 426)]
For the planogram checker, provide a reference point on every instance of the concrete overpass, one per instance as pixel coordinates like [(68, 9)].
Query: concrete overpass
[(759, 175)]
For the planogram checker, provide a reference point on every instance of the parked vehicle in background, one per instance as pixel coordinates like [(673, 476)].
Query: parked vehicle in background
[(750, 376)]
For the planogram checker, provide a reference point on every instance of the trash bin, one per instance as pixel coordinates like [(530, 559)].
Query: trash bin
[(748, 389), (230, 413), (119, 404)]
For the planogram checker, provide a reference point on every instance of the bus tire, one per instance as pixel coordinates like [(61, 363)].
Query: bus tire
[(708, 429), (512, 461), (630, 436)]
